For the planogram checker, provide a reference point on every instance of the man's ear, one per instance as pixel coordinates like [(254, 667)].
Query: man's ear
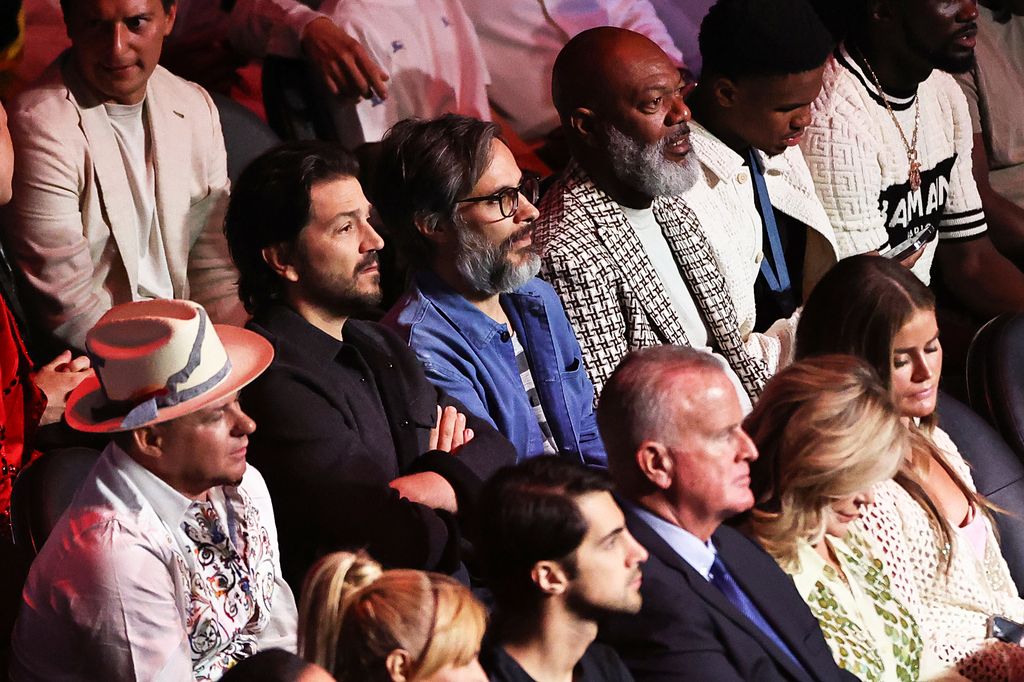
[(148, 441), (433, 229), (550, 577), (654, 460), (881, 10), (398, 664), (724, 91), (279, 258), (585, 123)]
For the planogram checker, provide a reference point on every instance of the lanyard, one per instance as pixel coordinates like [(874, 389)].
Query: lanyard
[(780, 282)]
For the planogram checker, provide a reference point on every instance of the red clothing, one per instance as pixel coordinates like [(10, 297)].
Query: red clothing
[(21, 407)]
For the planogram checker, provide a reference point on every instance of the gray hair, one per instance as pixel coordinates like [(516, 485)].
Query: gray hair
[(633, 406)]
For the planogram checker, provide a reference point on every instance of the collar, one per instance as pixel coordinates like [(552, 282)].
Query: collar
[(846, 60), (284, 322), (691, 549), (477, 327), (170, 505), (722, 161)]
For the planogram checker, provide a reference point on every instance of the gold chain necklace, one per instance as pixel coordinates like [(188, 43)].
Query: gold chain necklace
[(911, 147)]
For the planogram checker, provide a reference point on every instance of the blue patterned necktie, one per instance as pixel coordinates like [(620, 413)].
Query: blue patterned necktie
[(726, 584)]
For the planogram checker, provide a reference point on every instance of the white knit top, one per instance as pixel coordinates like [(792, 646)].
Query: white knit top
[(860, 167), (951, 608)]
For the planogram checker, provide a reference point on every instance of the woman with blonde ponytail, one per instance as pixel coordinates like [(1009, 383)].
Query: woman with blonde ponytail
[(364, 624)]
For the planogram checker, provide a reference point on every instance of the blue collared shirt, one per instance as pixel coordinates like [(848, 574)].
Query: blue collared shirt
[(470, 356), (691, 549)]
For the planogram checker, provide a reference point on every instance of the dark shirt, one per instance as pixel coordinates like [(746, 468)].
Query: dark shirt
[(600, 663), (336, 423)]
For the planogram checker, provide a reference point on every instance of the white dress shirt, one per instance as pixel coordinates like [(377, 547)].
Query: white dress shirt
[(117, 591)]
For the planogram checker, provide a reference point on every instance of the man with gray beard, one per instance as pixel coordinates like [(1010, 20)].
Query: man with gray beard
[(487, 331), (624, 252)]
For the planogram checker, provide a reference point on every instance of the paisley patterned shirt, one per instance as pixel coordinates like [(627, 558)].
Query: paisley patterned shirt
[(138, 582)]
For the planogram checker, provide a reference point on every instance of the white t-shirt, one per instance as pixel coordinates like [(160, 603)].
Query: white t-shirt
[(132, 141), (432, 54), (860, 167), (659, 253)]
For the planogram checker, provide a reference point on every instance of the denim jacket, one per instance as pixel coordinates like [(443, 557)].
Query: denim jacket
[(470, 356)]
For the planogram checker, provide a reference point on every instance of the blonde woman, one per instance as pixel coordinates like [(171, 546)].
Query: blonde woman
[(364, 624), (936, 530), (827, 433)]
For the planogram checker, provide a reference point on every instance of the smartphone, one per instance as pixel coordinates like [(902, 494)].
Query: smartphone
[(910, 245), (1004, 629)]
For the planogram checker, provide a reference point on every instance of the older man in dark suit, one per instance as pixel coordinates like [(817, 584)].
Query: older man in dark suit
[(715, 605)]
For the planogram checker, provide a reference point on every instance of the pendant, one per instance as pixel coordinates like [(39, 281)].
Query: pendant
[(915, 174)]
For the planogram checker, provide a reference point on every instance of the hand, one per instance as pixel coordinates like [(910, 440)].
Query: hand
[(450, 432), (344, 64), (910, 260), (57, 379), (427, 488)]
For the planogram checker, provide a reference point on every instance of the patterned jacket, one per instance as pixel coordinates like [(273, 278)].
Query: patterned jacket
[(611, 292)]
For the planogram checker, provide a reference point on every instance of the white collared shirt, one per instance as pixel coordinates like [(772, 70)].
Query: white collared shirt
[(108, 596)]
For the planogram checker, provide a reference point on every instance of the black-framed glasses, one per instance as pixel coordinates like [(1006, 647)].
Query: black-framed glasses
[(508, 198)]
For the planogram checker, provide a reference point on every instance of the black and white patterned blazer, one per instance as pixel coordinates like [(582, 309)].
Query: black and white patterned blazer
[(611, 291)]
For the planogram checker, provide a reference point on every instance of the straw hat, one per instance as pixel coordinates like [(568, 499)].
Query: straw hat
[(159, 360)]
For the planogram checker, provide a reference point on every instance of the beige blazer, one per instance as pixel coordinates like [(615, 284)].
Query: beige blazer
[(71, 227)]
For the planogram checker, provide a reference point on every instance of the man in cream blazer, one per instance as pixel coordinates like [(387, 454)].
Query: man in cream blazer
[(104, 212)]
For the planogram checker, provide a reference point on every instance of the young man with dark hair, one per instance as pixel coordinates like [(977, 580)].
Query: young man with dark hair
[(558, 556), (755, 198), (121, 181), (359, 449), (889, 147), (485, 328)]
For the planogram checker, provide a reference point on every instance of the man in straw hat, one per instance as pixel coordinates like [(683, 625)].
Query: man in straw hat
[(165, 566)]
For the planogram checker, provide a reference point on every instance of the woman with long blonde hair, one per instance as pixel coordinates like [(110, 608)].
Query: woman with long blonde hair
[(827, 433), (936, 530), (364, 624)]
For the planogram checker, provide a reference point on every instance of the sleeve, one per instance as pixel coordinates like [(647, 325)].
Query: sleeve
[(213, 279), (45, 226), (282, 630), (776, 345), (963, 218), (319, 468), (124, 602), (593, 310), (473, 463), (262, 27), (640, 16), (847, 177)]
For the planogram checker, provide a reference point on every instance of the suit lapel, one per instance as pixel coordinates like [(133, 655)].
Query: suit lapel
[(622, 242), (694, 257), (108, 166), (654, 544), (171, 139)]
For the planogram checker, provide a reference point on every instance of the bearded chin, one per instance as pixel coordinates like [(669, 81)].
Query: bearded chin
[(486, 267), (645, 168)]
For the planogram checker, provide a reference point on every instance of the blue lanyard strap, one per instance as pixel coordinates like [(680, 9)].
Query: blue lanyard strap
[(780, 282)]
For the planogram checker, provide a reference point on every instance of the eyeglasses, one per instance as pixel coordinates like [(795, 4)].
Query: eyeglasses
[(508, 198)]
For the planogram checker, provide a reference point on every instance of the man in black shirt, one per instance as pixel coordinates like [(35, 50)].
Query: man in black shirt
[(358, 449), (558, 556)]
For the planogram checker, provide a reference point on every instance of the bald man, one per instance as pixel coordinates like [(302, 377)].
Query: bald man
[(622, 249)]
